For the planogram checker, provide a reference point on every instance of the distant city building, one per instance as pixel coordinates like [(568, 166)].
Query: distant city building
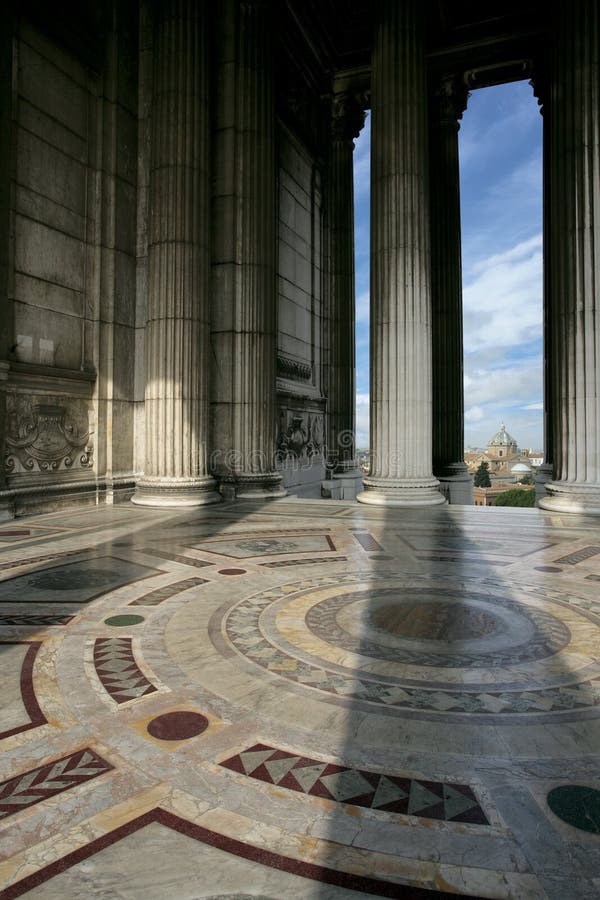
[(486, 496), (507, 465)]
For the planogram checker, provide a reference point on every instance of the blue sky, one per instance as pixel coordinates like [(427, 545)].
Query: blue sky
[(500, 143)]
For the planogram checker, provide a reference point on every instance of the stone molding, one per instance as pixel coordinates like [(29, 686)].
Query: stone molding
[(291, 368)]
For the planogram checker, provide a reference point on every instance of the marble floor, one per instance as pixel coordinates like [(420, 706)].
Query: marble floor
[(300, 699)]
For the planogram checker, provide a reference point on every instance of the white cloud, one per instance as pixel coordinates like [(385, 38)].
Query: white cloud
[(510, 384), (533, 406), (474, 414), (362, 420), (502, 298)]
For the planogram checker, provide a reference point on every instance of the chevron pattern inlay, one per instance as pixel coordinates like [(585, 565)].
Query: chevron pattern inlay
[(46, 781), (389, 793), (118, 671)]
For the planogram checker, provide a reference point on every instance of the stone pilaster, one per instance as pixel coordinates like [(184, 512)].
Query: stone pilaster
[(348, 119), (401, 440), (540, 84), (575, 259), (448, 100), (244, 324), (6, 171), (177, 329)]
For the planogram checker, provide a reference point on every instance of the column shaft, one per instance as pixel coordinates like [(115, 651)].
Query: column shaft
[(348, 118), (176, 396), (544, 472), (575, 263), (245, 309), (448, 101), (401, 448)]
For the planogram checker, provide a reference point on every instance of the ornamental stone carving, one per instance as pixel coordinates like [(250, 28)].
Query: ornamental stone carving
[(302, 437), (449, 101), (47, 434), (291, 368)]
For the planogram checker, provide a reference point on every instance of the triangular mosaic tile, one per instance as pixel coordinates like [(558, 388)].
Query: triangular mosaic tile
[(118, 671), (387, 793)]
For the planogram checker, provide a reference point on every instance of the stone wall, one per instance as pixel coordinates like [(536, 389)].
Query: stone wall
[(300, 317), (71, 267)]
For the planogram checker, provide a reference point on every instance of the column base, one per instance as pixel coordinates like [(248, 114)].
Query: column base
[(457, 489), (401, 492), (542, 477), (350, 482), (456, 484), (176, 492), (572, 497), (248, 486)]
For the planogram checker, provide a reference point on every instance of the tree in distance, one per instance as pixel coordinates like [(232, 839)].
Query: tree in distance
[(482, 475), (526, 479), (515, 497)]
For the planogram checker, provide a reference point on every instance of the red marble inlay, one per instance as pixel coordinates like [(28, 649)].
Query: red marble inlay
[(232, 571), (322, 874), (177, 726), (32, 707)]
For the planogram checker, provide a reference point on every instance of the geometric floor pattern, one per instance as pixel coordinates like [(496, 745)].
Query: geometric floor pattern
[(391, 793), (40, 784), (346, 701)]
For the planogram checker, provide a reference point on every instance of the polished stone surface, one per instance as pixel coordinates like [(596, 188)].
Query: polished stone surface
[(381, 702)]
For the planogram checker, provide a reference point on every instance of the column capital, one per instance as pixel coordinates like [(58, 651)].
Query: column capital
[(540, 83), (448, 100), (347, 115)]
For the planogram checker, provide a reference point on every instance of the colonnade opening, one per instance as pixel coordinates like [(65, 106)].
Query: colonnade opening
[(500, 166), (500, 156)]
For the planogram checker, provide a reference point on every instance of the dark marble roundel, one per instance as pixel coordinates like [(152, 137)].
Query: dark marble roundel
[(123, 621), (232, 571), (433, 621), (177, 726), (577, 805)]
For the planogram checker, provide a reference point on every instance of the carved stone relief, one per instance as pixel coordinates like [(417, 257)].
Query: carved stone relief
[(47, 434), (300, 435)]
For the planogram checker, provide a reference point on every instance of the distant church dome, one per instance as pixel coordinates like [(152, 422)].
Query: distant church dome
[(521, 469), (502, 438)]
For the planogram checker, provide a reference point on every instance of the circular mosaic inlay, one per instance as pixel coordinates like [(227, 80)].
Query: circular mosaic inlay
[(577, 805), (436, 627), (433, 621), (232, 571), (123, 621), (177, 726), (417, 644)]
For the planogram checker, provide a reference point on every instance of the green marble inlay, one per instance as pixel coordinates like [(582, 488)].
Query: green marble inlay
[(577, 805), (122, 621)]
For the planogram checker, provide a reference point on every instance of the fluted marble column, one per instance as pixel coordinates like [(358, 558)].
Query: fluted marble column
[(348, 119), (177, 329), (575, 265), (544, 473), (401, 441), (6, 143), (448, 100), (244, 329)]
